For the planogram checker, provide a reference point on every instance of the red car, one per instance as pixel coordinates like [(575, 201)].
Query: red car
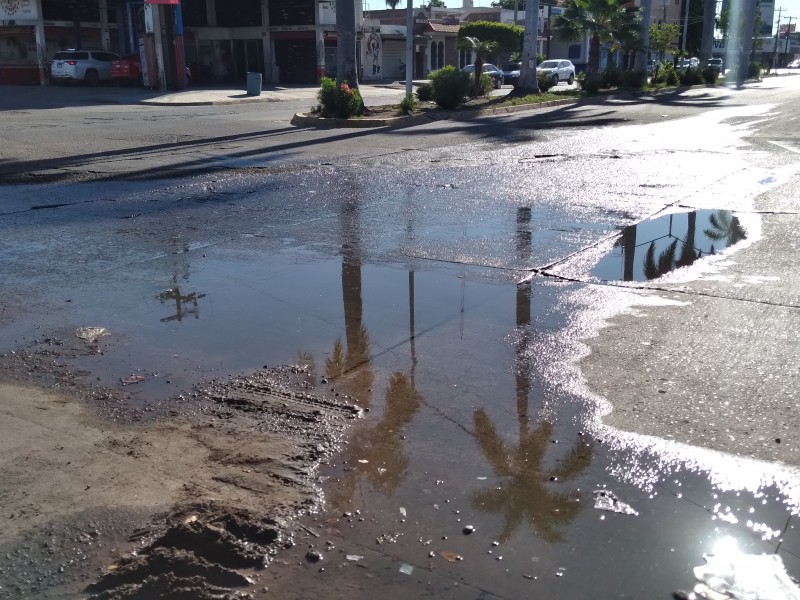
[(128, 70)]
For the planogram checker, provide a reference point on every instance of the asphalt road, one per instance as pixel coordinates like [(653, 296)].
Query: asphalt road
[(695, 373)]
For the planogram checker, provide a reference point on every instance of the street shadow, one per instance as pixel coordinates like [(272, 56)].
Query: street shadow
[(500, 127)]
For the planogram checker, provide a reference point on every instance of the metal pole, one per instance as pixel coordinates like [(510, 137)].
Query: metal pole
[(788, 33), (409, 45)]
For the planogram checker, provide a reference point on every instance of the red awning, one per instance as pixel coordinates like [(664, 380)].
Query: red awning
[(163, 1)]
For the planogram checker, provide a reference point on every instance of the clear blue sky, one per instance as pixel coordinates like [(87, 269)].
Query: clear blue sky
[(792, 6)]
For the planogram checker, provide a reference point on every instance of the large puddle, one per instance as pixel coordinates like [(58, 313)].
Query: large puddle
[(472, 468)]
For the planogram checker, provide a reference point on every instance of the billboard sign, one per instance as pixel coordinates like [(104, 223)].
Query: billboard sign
[(18, 10)]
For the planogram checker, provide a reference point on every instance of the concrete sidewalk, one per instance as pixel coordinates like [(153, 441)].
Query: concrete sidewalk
[(375, 93)]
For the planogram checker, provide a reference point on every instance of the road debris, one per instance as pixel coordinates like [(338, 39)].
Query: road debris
[(606, 500)]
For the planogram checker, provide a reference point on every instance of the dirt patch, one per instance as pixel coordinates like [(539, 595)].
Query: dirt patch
[(212, 482)]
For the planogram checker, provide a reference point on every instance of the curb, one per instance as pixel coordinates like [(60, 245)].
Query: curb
[(301, 119), (248, 100)]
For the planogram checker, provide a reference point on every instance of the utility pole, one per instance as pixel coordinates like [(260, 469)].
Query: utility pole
[(788, 35), (685, 27), (409, 45), (775, 49)]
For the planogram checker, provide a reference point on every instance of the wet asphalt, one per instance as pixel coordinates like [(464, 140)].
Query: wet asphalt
[(446, 277)]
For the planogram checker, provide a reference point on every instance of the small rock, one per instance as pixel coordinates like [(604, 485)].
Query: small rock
[(313, 556), (469, 529)]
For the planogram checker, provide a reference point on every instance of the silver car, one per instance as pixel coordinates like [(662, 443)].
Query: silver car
[(559, 70), (88, 66)]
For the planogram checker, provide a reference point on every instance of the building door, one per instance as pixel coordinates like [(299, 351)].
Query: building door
[(296, 60)]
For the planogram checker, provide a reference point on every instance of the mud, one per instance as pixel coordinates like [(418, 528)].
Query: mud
[(196, 493)]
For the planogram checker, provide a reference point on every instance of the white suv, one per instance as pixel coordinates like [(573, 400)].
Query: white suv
[(88, 66), (559, 70)]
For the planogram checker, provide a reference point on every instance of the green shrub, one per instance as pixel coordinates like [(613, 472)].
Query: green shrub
[(545, 81), (672, 77), (710, 75), (634, 80), (754, 71), (612, 76), (450, 86), (408, 104), (691, 77), (341, 102), (591, 84), (485, 86), (425, 92)]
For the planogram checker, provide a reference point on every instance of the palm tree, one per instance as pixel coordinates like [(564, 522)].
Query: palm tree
[(528, 80), (725, 227), (482, 50), (392, 4), (346, 43), (602, 20)]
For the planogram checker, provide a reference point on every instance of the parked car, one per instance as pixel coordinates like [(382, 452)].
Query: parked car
[(559, 70), (715, 64), (685, 63), (511, 73), (128, 70), (795, 64), (492, 71), (89, 66)]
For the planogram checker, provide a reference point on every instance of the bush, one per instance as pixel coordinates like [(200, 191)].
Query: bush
[(691, 77), (485, 86), (710, 75), (634, 80), (545, 81), (754, 71), (425, 92), (664, 73), (341, 102), (591, 84), (612, 76), (449, 86), (672, 77), (408, 104)]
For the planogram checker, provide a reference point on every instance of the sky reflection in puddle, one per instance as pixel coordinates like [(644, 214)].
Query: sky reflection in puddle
[(652, 248)]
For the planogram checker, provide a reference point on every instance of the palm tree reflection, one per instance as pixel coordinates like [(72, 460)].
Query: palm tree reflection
[(672, 242), (527, 492), (377, 453), (725, 227)]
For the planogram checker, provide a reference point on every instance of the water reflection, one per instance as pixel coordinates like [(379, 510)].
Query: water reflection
[(350, 367), (529, 491), (652, 248), (375, 453), (185, 303)]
